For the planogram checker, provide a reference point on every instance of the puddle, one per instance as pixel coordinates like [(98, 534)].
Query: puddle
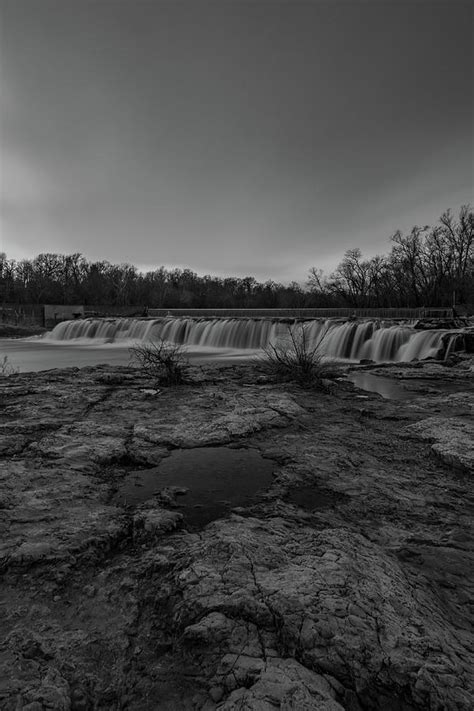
[(411, 388), (217, 479), (312, 498), (387, 387)]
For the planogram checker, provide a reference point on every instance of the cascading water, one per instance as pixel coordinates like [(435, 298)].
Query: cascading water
[(213, 333), (349, 340)]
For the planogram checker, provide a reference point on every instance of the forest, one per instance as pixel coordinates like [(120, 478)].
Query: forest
[(429, 266)]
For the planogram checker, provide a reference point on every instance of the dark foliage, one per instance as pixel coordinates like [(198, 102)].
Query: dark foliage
[(425, 267)]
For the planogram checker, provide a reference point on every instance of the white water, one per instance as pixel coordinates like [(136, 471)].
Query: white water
[(350, 341)]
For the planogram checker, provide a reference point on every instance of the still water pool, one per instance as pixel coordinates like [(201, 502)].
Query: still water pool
[(34, 354), (216, 478), (386, 387), (408, 389)]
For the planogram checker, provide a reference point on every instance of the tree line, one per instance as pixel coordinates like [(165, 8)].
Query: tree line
[(427, 266)]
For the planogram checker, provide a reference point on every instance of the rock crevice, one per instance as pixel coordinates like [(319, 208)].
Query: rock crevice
[(347, 586)]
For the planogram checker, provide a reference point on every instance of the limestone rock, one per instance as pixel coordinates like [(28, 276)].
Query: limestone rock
[(52, 514), (49, 690), (282, 684), (154, 522), (331, 600), (348, 584), (241, 417), (452, 437), (85, 441)]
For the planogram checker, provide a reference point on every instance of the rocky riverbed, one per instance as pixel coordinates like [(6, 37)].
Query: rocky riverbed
[(346, 583)]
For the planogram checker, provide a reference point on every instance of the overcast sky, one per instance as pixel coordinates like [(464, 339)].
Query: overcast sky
[(234, 138)]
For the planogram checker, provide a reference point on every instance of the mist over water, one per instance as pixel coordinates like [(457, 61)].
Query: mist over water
[(349, 341)]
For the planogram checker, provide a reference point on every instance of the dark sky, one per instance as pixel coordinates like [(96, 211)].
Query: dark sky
[(234, 138)]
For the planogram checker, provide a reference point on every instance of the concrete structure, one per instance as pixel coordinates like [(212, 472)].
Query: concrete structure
[(396, 313), (54, 313)]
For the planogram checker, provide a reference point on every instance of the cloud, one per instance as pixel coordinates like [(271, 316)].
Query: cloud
[(247, 139)]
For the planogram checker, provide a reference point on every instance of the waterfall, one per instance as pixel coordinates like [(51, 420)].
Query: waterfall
[(453, 341), (348, 340)]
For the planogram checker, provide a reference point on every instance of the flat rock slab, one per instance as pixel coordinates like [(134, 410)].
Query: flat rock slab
[(452, 437), (259, 590), (354, 594), (51, 515)]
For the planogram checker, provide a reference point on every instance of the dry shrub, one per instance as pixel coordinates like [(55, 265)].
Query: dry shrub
[(299, 359), (163, 361), (6, 368)]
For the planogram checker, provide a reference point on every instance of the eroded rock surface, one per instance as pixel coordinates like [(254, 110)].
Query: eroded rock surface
[(348, 586), (453, 438)]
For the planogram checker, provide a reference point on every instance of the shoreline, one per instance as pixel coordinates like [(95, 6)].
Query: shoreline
[(345, 585), (10, 330)]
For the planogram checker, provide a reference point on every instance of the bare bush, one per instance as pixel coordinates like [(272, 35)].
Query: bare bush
[(165, 362), (300, 359), (6, 368)]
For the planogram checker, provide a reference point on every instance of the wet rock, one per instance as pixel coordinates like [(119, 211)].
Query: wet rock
[(436, 324), (242, 418), (85, 442), (352, 594), (262, 590), (49, 691), (80, 700), (150, 523), (53, 513), (168, 496), (282, 684)]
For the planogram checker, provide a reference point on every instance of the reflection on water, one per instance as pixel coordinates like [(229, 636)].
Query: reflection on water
[(34, 354), (217, 479), (383, 386), (407, 390)]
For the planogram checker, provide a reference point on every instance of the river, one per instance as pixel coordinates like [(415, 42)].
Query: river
[(34, 354)]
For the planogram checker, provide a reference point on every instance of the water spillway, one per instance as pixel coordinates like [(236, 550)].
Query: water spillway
[(349, 340), (213, 333)]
